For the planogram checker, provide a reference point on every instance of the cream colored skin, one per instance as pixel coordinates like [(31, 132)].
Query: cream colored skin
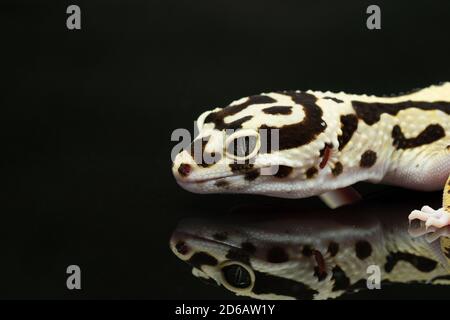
[(422, 168)]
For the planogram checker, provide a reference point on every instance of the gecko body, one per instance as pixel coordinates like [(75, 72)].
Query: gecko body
[(324, 142)]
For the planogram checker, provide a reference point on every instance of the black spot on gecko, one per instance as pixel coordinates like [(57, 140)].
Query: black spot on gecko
[(333, 248), (200, 259), (215, 156), (334, 99), (241, 167), (370, 112), (182, 247), (278, 110), (431, 134), (220, 236), (311, 172), (221, 183), (368, 159), (363, 249), (341, 281), (218, 117), (252, 174), (420, 263), (269, 284), (337, 170), (283, 171), (277, 255), (349, 124), (307, 251), (302, 133)]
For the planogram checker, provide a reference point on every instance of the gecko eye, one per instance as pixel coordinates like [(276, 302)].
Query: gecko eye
[(242, 145), (236, 276)]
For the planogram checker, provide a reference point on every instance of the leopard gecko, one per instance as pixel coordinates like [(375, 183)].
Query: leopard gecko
[(325, 142)]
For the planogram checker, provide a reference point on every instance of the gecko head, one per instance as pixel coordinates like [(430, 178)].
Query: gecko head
[(225, 256), (273, 144), (272, 253)]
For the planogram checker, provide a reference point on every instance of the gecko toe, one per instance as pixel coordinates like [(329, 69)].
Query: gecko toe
[(439, 219), (420, 215), (427, 209), (432, 218)]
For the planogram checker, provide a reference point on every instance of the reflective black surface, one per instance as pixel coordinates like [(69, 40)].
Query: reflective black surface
[(86, 119), (300, 252)]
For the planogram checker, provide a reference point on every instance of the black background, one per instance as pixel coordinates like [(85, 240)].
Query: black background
[(86, 119)]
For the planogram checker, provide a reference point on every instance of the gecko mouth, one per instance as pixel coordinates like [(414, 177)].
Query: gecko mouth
[(248, 172), (203, 180)]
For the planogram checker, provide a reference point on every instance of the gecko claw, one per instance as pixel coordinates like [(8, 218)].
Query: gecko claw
[(418, 214), (432, 218)]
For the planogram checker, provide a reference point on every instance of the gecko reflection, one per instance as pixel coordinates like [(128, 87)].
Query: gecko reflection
[(312, 255)]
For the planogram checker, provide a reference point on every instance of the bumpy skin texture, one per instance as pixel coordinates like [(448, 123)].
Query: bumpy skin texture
[(327, 141)]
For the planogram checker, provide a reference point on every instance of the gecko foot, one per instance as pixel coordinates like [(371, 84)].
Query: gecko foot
[(433, 218)]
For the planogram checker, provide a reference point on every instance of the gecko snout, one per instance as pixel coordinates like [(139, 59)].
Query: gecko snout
[(183, 165)]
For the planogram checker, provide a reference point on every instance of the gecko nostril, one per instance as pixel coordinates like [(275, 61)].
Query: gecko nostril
[(184, 169), (181, 247)]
